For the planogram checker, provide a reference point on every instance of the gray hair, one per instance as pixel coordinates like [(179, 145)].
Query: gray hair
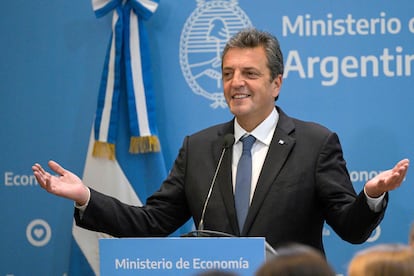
[(251, 38)]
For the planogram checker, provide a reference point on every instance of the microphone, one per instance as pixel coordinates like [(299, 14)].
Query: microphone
[(227, 143)]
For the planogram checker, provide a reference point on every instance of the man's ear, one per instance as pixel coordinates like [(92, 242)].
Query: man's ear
[(278, 80), (277, 84)]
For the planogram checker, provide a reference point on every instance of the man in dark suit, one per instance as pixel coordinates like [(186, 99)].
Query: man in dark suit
[(298, 181)]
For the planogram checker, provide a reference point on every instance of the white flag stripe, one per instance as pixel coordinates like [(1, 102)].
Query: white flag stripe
[(151, 5), (106, 112), (98, 4), (88, 242), (136, 69), (107, 177)]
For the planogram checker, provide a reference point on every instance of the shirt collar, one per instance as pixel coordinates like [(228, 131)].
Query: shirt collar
[(263, 132)]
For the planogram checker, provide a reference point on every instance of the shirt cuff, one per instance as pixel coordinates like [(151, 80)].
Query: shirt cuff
[(375, 204)]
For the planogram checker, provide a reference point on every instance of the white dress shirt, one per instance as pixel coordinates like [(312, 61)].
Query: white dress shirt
[(264, 134)]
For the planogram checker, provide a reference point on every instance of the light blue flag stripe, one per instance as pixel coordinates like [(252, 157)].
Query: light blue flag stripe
[(128, 39)]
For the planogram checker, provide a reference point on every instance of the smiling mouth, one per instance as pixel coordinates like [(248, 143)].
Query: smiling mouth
[(240, 96)]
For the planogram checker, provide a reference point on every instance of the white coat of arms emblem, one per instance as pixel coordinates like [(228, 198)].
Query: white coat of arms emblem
[(203, 38)]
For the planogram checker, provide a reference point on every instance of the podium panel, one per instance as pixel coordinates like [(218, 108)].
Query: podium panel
[(180, 256)]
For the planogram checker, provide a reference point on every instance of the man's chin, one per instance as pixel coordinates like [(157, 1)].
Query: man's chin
[(239, 110)]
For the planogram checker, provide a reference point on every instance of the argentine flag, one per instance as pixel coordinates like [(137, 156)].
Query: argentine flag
[(124, 157), (129, 178)]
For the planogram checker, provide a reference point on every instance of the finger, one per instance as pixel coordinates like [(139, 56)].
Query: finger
[(40, 179), (395, 180), (42, 170), (405, 161), (43, 177), (402, 174), (36, 167), (56, 167), (48, 180), (402, 164), (401, 171), (37, 175)]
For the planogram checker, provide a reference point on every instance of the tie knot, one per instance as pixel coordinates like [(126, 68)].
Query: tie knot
[(248, 142)]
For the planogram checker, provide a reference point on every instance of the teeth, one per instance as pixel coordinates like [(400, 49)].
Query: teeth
[(240, 96)]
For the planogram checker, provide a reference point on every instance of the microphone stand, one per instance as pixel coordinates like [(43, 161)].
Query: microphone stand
[(201, 232)]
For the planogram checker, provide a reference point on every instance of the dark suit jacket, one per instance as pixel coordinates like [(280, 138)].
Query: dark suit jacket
[(303, 183)]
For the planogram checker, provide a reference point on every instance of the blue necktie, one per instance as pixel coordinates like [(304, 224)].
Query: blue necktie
[(243, 180)]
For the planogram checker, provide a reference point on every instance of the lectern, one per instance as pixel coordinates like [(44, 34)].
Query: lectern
[(180, 256)]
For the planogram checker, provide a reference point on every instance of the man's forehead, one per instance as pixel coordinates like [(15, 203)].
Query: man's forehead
[(245, 57)]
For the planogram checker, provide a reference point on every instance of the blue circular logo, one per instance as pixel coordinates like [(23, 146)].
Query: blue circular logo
[(38, 232)]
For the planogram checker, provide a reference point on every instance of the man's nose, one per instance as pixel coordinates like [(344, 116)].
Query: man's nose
[(238, 79)]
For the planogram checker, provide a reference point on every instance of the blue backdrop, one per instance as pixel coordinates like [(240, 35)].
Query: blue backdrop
[(349, 66)]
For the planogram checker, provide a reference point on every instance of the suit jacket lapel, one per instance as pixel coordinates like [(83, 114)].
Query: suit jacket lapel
[(280, 147)]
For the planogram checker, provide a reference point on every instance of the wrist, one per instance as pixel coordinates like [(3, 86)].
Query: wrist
[(84, 197), (372, 194)]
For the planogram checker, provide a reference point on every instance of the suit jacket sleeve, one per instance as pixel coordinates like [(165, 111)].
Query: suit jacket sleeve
[(352, 219), (164, 212)]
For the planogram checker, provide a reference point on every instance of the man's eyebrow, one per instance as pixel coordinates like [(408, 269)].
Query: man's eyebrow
[(243, 68), (250, 68)]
